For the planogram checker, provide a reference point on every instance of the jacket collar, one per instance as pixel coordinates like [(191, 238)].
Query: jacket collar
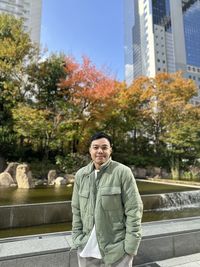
[(90, 167)]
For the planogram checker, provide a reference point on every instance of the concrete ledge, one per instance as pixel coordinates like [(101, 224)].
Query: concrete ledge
[(13, 216), (161, 240), (35, 214), (161, 248)]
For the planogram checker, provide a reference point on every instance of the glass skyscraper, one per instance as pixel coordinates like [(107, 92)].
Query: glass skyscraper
[(29, 10), (165, 37)]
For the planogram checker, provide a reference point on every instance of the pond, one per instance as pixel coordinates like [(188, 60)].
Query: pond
[(178, 208), (41, 194)]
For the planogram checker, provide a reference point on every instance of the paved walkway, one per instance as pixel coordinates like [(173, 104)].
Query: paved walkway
[(185, 261)]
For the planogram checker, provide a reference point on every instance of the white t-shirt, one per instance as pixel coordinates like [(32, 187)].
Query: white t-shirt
[(91, 249)]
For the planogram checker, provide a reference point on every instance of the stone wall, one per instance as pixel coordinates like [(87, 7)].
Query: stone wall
[(35, 214)]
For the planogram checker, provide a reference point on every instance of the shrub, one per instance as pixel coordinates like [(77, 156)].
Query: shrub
[(71, 162)]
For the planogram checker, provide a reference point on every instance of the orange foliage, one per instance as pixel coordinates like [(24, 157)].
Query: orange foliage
[(90, 94), (86, 85)]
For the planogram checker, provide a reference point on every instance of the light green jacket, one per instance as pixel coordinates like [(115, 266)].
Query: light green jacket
[(111, 202)]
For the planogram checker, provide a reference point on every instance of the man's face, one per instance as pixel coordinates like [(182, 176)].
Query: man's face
[(100, 151)]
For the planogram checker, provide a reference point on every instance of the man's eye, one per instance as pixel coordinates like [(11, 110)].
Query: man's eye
[(97, 147)]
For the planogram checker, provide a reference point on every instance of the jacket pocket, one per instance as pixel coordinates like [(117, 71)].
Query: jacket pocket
[(83, 199), (111, 198)]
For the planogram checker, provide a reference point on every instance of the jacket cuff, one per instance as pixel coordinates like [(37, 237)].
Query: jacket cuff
[(132, 248)]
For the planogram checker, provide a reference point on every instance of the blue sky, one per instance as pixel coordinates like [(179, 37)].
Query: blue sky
[(86, 27)]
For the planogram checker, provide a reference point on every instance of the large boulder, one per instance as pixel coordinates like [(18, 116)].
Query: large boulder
[(60, 181), (51, 176), (70, 178), (6, 179), (23, 176), (11, 169)]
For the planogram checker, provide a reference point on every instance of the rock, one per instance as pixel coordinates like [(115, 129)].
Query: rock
[(140, 172), (6, 179), (70, 178), (60, 181), (39, 182), (13, 185), (11, 168), (23, 176), (165, 174), (157, 176), (51, 176)]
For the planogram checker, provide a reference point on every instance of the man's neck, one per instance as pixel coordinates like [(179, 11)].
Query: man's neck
[(98, 167)]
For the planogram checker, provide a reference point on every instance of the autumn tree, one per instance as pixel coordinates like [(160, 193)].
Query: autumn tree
[(126, 122), (72, 99), (90, 94), (182, 139), (167, 114)]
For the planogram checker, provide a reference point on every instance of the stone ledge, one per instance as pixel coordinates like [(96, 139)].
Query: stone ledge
[(28, 247)]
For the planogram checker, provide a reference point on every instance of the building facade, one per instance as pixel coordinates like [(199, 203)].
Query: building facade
[(165, 37), (29, 10)]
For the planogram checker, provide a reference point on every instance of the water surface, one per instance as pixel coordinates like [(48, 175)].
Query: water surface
[(41, 194)]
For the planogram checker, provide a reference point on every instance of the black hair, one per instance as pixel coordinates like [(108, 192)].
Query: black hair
[(99, 135)]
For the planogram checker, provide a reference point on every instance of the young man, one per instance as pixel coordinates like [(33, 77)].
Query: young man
[(107, 210)]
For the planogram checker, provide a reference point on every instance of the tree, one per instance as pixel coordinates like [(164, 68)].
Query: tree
[(45, 101), (45, 76), (16, 50), (183, 139), (90, 94), (168, 114), (31, 125)]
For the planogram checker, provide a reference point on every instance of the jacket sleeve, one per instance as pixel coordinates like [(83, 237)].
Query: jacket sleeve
[(133, 208), (77, 226)]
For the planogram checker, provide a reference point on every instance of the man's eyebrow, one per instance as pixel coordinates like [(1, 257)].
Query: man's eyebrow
[(101, 145)]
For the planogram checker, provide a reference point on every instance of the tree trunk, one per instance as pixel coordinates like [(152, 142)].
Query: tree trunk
[(175, 167)]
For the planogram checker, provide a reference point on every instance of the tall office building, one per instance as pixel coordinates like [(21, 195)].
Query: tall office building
[(162, 36), (29, 10)]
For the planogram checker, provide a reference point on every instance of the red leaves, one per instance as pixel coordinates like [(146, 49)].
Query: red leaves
[(85, 84)]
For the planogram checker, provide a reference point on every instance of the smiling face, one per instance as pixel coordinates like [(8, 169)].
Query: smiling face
[(100, 151)]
